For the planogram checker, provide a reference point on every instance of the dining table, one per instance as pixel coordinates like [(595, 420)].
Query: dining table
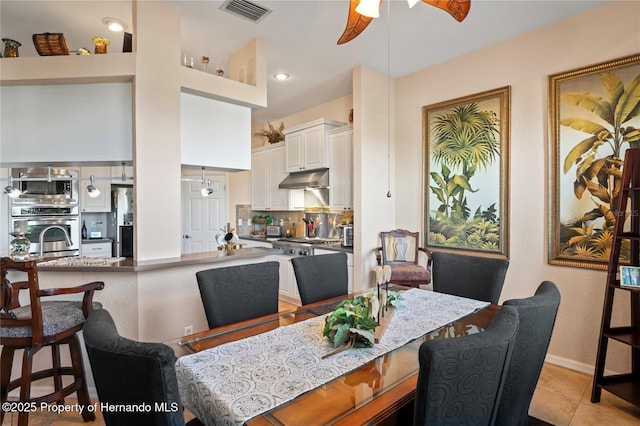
[(278, 369)]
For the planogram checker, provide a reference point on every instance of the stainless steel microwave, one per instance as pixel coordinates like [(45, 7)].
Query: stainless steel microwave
[(45, 185)]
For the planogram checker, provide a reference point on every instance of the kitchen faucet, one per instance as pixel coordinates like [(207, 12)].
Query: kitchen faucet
[(44, 231)]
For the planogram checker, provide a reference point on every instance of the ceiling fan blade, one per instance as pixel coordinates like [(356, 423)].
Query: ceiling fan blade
[(356, 23), (456, 8)]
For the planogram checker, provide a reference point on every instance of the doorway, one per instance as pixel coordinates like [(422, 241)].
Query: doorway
[(203, 217)]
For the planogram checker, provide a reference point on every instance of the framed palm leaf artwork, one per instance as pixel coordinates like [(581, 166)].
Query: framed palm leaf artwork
[(465, 182), (594, 116)]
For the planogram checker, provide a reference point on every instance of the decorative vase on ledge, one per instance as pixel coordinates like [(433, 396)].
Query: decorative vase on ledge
[(11, 48)]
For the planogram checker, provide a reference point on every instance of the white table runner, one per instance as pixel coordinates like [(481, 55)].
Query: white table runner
[(233, 382)]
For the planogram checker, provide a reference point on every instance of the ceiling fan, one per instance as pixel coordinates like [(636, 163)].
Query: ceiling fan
[(362, 12)]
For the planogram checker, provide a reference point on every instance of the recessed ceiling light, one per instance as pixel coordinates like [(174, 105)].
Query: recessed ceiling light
[(114, 24), (282, 76)]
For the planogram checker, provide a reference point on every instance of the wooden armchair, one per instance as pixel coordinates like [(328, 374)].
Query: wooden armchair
[(39, 324), (410, 264)]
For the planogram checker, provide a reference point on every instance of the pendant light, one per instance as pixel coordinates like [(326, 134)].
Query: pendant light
[(91, 189), (11, 190)]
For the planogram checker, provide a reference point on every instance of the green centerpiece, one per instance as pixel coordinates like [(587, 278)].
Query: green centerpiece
[(353, 323)]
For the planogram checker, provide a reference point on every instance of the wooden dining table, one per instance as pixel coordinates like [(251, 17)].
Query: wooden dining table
[(374, 393)]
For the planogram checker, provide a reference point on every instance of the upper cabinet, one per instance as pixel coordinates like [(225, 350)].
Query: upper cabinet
[(306, 145), (267, 171), (101, 203), (341, 168)]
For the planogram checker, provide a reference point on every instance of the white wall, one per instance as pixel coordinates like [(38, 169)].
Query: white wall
[(214, 133), (524, 63), (66, 123), (157, 131)]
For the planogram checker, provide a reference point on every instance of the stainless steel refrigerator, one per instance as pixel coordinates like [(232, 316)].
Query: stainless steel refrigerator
[(120, 223)]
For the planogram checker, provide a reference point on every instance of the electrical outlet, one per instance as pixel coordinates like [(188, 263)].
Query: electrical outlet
[(188, 330)]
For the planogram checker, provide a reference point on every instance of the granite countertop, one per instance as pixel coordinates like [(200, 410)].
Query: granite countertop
[(130, 265)]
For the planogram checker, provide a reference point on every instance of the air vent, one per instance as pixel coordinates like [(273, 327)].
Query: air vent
[(245, 9)]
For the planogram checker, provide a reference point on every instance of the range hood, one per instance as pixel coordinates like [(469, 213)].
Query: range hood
[(318, 178)]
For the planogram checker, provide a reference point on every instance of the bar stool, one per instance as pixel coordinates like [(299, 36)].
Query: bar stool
[(37, 325)]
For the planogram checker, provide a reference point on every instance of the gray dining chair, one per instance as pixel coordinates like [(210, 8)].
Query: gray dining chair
[(475, 277), (238, 293), (131, 373), (321, 277), (460, 380), (537, 318)]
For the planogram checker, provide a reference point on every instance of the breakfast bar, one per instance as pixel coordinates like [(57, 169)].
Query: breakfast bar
[(154, 300)]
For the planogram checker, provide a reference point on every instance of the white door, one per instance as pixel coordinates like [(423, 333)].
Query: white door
[(202, 217)]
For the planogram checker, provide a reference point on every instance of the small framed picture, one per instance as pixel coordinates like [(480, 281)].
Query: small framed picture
[(630, 276)]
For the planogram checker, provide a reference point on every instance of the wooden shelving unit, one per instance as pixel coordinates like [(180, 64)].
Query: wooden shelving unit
[(627, 229)]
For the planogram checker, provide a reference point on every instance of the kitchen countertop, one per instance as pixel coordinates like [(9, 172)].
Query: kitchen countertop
[(332, 246), (130, 265)]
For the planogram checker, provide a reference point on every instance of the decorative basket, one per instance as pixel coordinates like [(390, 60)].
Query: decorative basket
[(50, 44)]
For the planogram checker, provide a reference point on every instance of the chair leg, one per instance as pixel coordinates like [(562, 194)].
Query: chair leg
[(57, 378), (25, 383), (78, 372), (6, 364)]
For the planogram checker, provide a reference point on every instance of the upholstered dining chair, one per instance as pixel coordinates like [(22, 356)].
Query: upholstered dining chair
[(537, 318), (238, 293), (475, 277), (460, 380), (131, 373), (42, 323), (410, 264), (321, 277)]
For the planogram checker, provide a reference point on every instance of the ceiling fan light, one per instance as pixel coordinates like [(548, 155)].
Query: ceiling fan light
[(370, 8), (412, 3), (206, 191)]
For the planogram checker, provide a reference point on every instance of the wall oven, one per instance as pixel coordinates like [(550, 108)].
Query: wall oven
[(32, 220), (45, 185)]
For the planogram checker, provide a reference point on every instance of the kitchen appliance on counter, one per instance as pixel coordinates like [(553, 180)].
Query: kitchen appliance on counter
[(33, 220), (346, 235), (274, 231), (45, 186), (120, 223)]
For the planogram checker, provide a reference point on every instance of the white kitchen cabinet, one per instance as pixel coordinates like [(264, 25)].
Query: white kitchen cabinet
[(96, 249), (340, 146), (288, 284), (101, 203), (116, 175), (306, 145), (267, 171)]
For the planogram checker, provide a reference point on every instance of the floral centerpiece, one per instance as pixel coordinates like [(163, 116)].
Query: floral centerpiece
[(353, 323), (272, 134)]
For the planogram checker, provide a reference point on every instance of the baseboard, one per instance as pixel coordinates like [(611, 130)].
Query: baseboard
[(575, 365)]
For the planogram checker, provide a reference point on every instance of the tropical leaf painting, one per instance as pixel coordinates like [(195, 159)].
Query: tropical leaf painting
[(595, 117), (466, 150)]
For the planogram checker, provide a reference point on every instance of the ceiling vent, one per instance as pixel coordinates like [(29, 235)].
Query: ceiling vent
[(245, 9)]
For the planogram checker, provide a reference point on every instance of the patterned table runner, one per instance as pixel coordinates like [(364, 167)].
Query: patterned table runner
[(233, 382)]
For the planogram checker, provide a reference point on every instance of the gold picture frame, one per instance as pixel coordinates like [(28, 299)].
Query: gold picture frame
[(594, 116), (466, 173)]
